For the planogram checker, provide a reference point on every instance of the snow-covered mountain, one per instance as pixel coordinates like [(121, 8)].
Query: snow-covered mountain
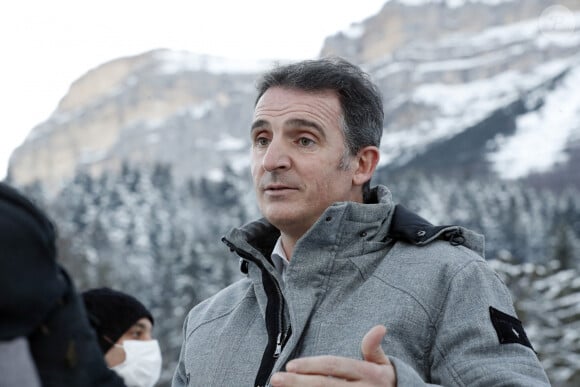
[(470, 88), (475, 88), (177, 108), (502, 101)]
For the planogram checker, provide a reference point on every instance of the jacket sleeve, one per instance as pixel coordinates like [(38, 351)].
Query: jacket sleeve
[(478, 339), (406, 375), (474, 347)]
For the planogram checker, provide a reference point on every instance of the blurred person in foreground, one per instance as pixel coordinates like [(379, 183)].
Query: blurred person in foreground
[(124, 330), (45, 336), (343, 287)]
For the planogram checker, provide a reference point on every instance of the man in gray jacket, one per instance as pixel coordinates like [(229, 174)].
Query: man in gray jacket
[(343, 287)]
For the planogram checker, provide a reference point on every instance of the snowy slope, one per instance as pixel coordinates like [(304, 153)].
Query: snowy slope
[(460, 81), (542, 135)]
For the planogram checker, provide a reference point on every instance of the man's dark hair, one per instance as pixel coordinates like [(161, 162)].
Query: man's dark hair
[(360, 99)]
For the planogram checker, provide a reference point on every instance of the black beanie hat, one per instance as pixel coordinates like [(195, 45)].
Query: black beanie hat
[(30, 280), (112, 313)]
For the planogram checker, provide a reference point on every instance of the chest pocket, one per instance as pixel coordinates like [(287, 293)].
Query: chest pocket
[(225, 352)]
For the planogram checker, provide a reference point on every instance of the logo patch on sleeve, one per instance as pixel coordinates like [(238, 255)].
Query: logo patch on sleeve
[(508, 328)]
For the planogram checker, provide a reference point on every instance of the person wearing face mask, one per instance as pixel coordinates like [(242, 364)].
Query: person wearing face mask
[(124, 330)]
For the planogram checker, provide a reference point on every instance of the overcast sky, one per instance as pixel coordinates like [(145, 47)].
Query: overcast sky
[(47, 45)]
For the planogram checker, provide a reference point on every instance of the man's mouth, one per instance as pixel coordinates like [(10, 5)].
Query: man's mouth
[(277, 188)]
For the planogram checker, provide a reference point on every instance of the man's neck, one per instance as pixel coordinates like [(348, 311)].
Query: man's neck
[(288, 244)]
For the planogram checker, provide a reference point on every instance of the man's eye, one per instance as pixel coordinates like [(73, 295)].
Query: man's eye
[(261, 141), (305, 141)]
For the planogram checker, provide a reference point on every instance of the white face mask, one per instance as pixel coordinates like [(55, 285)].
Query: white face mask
[(142, 365)]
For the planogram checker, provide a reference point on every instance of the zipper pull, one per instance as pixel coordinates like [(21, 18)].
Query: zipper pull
[(278, 346)]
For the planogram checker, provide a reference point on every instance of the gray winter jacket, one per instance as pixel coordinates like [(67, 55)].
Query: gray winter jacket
[(448, 315)]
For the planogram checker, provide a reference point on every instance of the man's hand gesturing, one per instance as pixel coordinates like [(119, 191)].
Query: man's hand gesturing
[(374, 370)]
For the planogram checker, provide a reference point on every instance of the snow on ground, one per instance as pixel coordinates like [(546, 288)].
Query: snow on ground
[(463, 105), (541, 135)]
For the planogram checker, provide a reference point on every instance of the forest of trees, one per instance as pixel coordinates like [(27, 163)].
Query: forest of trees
[(142, 232)]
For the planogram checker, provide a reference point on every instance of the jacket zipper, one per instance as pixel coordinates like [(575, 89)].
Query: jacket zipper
[(278, 346), (282, 333)]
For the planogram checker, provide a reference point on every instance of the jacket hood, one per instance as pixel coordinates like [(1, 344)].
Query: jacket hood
[(409, 227)]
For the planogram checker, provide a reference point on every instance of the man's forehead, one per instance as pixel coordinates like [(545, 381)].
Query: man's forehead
[(143, 323), (278, 101)]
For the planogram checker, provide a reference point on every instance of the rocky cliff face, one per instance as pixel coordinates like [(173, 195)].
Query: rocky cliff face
[(161, 106), (401, 22), (468, 89)]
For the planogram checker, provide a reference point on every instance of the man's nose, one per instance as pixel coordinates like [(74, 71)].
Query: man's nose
[(276, 156)]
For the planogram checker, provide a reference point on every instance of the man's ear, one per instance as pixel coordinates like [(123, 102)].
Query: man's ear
[(366, 161)]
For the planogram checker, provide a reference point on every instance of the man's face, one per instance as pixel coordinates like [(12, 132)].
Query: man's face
[(297, 148), (141, 330)]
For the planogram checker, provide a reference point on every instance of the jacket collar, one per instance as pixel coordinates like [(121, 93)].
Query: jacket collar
[(378, 219)]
